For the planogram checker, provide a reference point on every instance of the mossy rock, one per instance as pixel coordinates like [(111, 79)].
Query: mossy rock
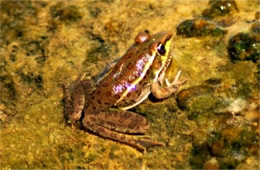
[(244, 46), (199, 28), (197, 98), (220, 8)]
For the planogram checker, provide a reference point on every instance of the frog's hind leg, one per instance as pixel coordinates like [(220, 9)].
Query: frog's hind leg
[(115, 124), (140, 143), (123, 121)]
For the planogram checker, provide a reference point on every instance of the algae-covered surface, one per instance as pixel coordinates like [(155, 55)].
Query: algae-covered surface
[(212, 122)]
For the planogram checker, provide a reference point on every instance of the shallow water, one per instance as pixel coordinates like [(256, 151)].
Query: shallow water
[(211, 122)]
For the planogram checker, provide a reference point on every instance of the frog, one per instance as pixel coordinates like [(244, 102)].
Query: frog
[(104, 106)]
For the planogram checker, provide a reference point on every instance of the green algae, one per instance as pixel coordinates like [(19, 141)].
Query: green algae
[(44, 44)]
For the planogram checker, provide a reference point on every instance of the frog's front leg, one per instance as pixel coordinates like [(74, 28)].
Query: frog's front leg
[(163, 92), (117, 123)]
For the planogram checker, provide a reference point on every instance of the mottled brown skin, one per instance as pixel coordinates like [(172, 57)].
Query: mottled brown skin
[(128, 82)]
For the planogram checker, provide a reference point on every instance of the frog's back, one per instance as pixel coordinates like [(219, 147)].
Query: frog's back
[(127, 82), (123, 84)]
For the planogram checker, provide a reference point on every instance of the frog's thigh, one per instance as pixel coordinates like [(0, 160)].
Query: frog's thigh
[(104, 128), (120, 121), (162, 92)]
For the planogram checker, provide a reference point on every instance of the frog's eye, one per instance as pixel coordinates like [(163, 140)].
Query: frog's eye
[(161, 49), (142, 37)]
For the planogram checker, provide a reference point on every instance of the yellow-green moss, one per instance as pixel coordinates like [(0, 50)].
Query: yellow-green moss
[(45, 43)]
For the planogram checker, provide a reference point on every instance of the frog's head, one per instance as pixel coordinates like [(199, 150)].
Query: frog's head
[(159, 46)]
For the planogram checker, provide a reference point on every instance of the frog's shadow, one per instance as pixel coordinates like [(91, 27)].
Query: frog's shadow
[(154, 99)]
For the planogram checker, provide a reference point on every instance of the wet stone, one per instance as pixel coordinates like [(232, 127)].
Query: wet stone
[(227, 148), (244, 46), (196, 98), (226, 22), (220, 8), (199, 28)]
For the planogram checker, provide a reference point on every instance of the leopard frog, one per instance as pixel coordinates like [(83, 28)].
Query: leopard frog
[(103, 106)]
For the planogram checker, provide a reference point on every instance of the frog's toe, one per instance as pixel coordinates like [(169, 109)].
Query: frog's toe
[(176, 81), (145, 142)]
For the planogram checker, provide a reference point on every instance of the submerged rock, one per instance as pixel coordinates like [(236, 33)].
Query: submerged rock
[(244, 46), (220, 8), (229, 146), (196, 98), (199, 28)]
